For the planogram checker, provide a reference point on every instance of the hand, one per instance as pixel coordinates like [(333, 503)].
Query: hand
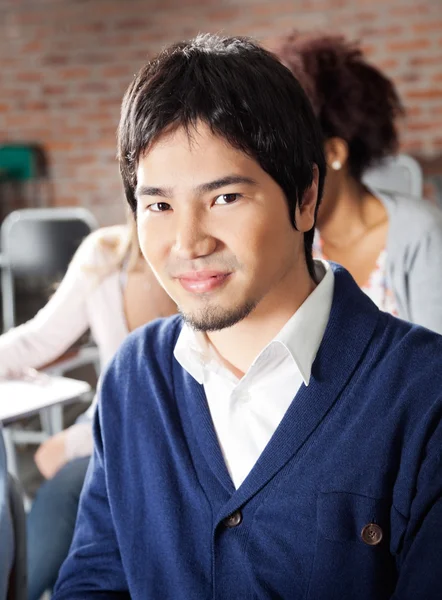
[(51, 455)]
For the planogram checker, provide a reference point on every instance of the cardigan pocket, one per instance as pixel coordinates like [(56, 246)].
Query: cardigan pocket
[(352, 557)]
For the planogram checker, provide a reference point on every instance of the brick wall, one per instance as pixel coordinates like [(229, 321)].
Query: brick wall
[(66, 63)]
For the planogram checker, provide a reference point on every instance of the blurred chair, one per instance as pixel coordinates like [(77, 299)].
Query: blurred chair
[(401, 174), (17, 589), (38, 244)]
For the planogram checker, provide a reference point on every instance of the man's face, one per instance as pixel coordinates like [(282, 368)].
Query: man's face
[(215, 229)]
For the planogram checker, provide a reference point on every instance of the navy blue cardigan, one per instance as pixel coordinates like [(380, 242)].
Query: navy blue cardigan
[(160, 519)]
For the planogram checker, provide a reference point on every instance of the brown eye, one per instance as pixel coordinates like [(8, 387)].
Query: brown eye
[(159, 207), (227, 198)]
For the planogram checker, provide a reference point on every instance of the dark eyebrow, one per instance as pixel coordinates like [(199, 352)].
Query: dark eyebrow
[(204, 188), (146, 190), (211, 186)]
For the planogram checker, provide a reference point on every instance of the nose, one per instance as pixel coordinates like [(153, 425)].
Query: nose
[(192, 237)]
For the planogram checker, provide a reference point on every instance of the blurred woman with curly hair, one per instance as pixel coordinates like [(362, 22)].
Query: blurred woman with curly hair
[(390, 243)]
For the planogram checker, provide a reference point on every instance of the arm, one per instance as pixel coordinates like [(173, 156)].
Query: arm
[(425, 282), (56, 326), (74, 442), (93, 568)]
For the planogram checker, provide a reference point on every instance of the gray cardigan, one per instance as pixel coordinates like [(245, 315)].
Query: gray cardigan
[(414, 258)]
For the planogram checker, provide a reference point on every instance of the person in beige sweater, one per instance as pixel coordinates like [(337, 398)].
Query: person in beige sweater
[(109, 289)]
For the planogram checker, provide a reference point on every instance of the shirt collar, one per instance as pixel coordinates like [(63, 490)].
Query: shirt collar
[(301, 336), (192, 351)]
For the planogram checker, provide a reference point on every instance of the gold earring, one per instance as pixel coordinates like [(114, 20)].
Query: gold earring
[(336, 165)]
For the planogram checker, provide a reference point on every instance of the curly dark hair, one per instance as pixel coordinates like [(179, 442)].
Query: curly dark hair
[(352, 99)]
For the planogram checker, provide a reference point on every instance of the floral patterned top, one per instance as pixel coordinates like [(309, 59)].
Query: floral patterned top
[(377, 286)]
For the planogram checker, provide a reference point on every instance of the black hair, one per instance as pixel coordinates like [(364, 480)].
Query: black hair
[(244, 94)]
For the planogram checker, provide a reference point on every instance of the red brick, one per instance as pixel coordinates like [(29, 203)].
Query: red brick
[(94, 87), (421, 61), (95, 58), (82, 159), (85, 27), (428, 26), (60, 145), (74, 73), (28, 18), (409, 45), (369, 49), (16, 121), (132, 23), (54, 90), (33, 46), (79, 132), (376, 31), (410, 77), (126, 39), (29, 76), (409, 11), (429, 191), (387, 64), (362, 16), (424, 125), (425, 94), (117, 71), (226, 14), (66, 200), (414, 111), (75, 104), (33, 105), (86, 186), (10, 61), (412, 146), (55, 59)]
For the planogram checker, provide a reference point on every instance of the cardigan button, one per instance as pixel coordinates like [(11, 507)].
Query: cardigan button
[(234, 519), (371, 534)]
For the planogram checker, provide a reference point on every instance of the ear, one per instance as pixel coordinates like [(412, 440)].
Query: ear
[(336, 153), (305, 213)]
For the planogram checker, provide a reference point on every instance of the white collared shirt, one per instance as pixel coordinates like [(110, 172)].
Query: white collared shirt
[(246, 412)]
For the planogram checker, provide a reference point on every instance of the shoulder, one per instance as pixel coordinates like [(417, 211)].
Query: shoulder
[(407, 369), (158, 335), (102, 248), (410, 217), (401, 381), (140, 375), (148, 350), (110, 237), (411, 352)]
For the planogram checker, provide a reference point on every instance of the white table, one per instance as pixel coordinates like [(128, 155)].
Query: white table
[(20, 399)]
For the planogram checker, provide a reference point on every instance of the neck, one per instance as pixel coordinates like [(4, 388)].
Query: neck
[(238, 346), (349, 214)]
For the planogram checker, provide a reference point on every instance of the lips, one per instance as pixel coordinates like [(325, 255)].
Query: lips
[(201, 282)]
